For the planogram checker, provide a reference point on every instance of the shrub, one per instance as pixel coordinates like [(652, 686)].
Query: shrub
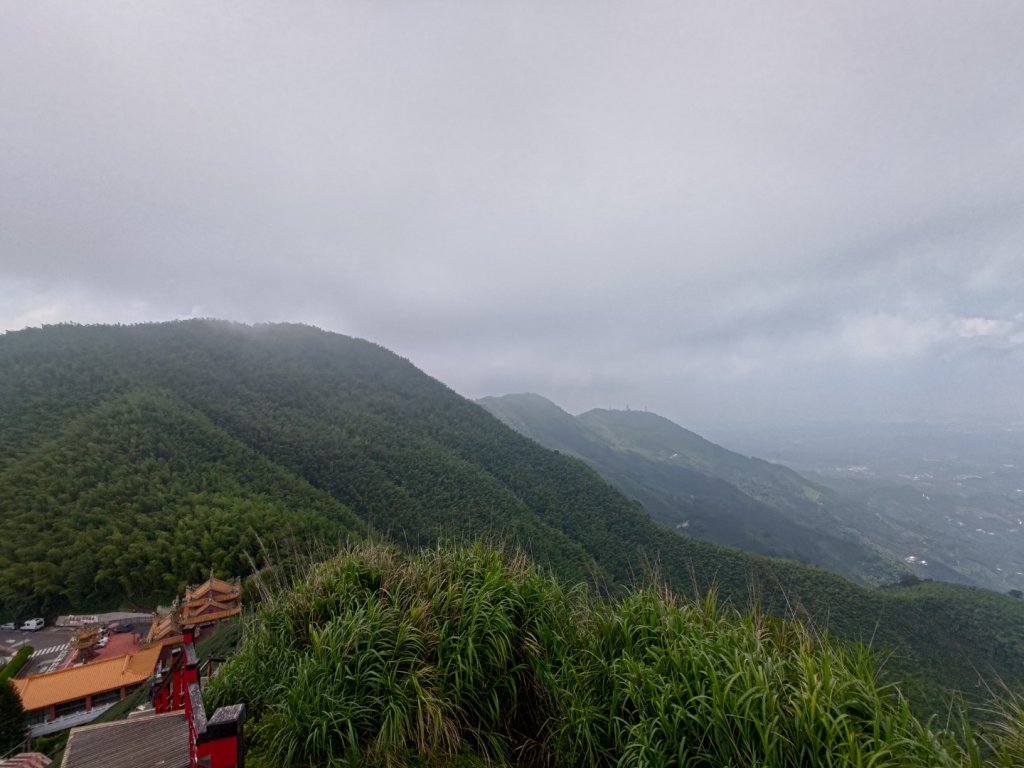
[(19, 660), (12, 718), (470, 655)]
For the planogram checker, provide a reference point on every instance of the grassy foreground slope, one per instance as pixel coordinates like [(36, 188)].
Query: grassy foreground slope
[(127, 454), (466, 656)]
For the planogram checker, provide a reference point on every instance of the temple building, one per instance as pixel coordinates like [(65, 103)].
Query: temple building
[(213, 600), (59, 700), (86, 639), (176, 733), (179, 733), (164, 625)]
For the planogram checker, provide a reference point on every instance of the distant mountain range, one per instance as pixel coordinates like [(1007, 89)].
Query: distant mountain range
[(703, 490), (132, 458), (869, 528)]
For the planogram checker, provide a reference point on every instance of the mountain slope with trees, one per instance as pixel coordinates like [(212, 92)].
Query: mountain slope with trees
[(134, 457), (703, 490)]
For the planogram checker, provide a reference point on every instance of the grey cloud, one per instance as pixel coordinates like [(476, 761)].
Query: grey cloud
[(724, 210)]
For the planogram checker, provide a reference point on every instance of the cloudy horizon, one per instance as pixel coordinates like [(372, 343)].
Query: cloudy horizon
[(726, 213)]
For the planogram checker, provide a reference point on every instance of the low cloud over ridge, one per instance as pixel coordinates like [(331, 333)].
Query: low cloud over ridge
[(723, 213)]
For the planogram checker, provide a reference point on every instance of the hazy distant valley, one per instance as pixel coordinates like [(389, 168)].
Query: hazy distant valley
[(952, 497), (871, 503)]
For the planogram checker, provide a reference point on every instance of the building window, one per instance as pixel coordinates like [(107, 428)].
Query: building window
[(36, 717), (109, 697), (71, 707)]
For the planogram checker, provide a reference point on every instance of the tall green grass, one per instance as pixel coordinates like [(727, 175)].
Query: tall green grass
[(469, 655)]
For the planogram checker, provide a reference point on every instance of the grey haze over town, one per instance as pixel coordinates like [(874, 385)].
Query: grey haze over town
[(728, 213)]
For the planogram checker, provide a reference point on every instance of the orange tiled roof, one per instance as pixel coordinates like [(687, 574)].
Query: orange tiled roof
[(202, 618), (193, 608), (225, 588), (163, 626), (39, 691)]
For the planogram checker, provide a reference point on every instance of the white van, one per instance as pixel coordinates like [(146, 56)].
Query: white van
[(32, 625)]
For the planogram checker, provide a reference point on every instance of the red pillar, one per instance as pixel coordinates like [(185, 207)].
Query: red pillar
[(223, 742)]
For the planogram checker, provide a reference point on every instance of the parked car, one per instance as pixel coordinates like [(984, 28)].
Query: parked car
[(33, 625), (8, 625)]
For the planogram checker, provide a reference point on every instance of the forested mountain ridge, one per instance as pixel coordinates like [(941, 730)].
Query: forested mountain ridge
[(130, 456), (137, 497), (338, 422), (703, 490)]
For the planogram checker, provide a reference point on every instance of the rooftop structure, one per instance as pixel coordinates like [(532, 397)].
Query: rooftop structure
[(151, 740), (38, 691), (179, 735), (58, 700), (86, 638), (164, 625), (213, 600), (26, 760)]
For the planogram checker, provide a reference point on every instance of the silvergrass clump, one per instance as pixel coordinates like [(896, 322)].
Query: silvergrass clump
[(469, 655), (382, 659), (670, 683), (1001, 737)]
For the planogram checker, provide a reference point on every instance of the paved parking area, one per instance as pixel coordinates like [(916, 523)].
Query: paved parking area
[(50, 647)]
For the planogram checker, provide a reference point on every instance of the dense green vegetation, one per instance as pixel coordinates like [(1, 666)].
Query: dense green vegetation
[(136, 498), (18, 660), (133, 458), (946, 519), (12, 715), (219, 641), (12, 718), (468, 655)]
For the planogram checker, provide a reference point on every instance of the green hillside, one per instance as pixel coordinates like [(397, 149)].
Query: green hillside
[(703, 490), (133, 457), (137, 497)]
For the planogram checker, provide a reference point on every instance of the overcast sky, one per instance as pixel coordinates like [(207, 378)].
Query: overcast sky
[(727, 213)]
